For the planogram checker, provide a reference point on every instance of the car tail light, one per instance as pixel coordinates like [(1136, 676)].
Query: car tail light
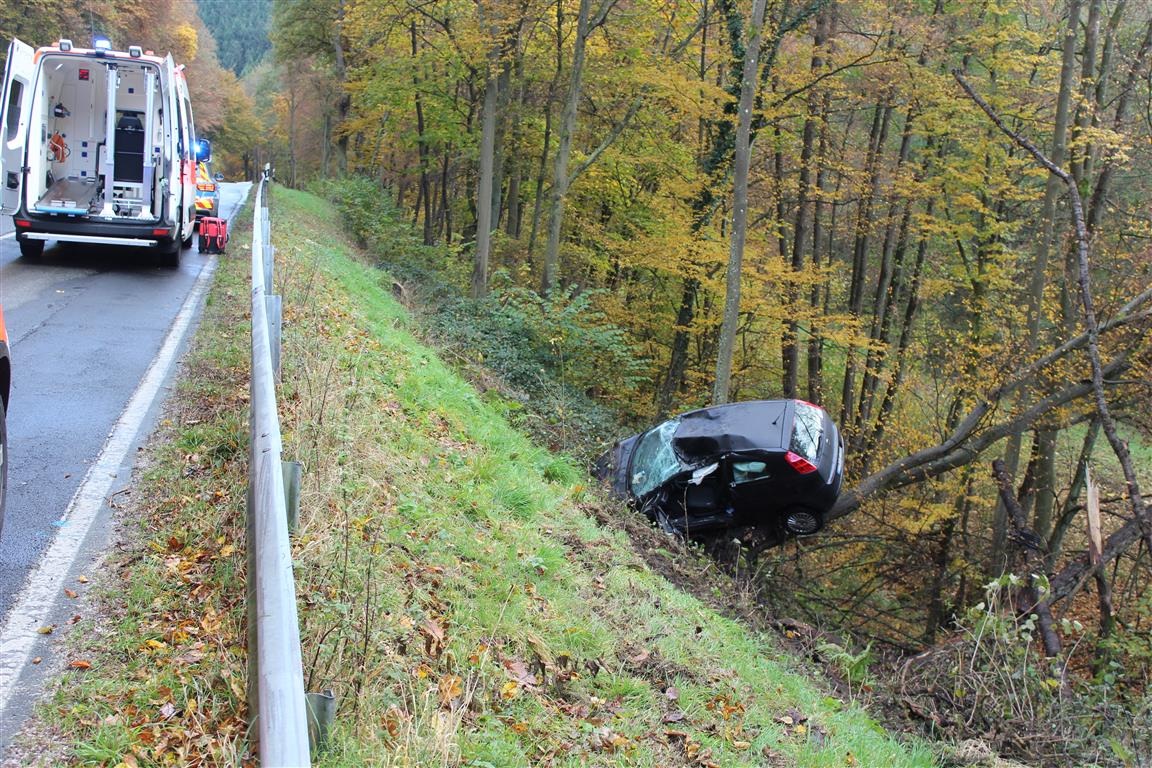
[(22, 223), (161, 232), (206, 187), (799, 463)]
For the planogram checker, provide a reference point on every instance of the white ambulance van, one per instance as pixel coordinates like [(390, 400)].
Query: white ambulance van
[(98, 147)]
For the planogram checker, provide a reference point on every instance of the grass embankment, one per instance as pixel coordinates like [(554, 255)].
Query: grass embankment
[(456, 591)]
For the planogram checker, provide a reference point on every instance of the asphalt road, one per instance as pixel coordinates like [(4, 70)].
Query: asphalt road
[(88, 328)]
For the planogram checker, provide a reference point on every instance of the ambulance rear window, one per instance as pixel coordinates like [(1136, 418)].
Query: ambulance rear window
[(15, 100)]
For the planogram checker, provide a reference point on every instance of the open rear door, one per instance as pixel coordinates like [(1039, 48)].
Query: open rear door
[(16, 102)]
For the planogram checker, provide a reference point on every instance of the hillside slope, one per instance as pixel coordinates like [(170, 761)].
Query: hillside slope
[(466, 595)]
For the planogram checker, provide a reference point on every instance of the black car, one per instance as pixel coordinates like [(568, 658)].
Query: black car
[(771, 465)]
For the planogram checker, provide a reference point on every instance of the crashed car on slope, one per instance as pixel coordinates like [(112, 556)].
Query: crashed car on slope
[(773, 466)]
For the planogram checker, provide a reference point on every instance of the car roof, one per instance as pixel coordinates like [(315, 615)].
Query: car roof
[(752, 425)]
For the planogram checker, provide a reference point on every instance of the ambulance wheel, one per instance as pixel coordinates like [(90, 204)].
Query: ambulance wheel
[(168, 254), (31, 249)]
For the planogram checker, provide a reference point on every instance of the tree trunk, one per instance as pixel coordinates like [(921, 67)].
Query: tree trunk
[(546, 143), (805, 193), (820, 292), (1032, 600), (877, 138), (738, 235), (343, 99), (678, 359), (564, 149), (1039, 277), (424, 152), (1104, 181), (484, 193)]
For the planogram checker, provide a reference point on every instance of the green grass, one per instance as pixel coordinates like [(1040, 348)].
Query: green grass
[(457, 589)]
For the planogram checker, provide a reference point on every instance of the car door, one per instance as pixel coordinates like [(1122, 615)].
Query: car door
[(16, 102)]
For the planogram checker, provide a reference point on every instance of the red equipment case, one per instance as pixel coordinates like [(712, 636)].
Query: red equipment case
[(213, 234)]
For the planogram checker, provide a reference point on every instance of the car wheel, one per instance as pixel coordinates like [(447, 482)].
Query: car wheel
[(3, 465), (31, 249), (802, 521)]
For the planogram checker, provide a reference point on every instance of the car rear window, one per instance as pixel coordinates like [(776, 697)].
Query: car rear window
[(807, 429)]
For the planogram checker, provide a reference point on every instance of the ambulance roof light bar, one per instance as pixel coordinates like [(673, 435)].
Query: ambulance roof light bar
[(64, 44)]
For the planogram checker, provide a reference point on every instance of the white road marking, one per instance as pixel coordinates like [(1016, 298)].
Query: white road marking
[(18, 637)]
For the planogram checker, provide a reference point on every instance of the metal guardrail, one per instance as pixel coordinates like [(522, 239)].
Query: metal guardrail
[(275, 673)]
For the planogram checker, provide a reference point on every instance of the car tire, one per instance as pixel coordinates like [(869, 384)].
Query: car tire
[(31, 249)]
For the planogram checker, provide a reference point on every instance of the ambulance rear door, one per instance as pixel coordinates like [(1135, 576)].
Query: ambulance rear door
[(16, 103)]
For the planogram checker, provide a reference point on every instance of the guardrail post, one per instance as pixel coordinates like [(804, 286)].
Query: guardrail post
[(269, 264), (274, 308), (321, 714), (292, 473)]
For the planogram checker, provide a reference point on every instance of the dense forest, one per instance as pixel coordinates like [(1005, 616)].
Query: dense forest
[(929, 216)]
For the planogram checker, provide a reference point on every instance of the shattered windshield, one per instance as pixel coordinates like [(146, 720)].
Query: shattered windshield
[(654, 461)]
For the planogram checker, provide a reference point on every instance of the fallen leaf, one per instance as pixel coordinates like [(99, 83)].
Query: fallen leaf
[(37, 660), (671, 693), (604, 739), (674, 716), (433, 637), (451, 688), (47, 630), (80, 664), (70, 592), (520, 673), (82, 579)]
